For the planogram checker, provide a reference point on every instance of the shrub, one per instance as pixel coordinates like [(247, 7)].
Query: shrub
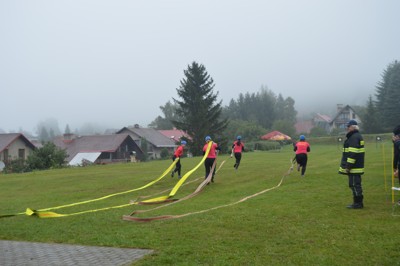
[(15, 166), (46, 157), (164, 153)]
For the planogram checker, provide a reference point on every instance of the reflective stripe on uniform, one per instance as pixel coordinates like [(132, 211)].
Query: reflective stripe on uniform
[(356, 150), (351, 160)]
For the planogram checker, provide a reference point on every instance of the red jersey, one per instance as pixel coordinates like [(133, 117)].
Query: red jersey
[(302, 147), (179, 151), (238, 146), (212, 153)]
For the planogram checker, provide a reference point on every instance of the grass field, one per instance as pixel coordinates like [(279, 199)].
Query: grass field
[(302, 222)]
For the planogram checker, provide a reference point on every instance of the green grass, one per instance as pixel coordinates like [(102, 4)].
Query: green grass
[(302, 222)]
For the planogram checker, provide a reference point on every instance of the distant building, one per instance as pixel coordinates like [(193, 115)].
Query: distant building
[(322, 121), (98, 148), (156, 141), (303, 126), (15, 146), (344, 114)]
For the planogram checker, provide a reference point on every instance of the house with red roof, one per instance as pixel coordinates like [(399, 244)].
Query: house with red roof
[(174, 134)]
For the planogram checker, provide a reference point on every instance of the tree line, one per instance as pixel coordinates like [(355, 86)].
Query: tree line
[(382, 111), (198, 111)]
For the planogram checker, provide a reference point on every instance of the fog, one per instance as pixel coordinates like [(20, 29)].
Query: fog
[(113, 63)]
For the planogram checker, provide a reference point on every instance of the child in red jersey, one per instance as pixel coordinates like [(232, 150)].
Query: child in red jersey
[(237, 149), (212, 155), (177, 154), (302, 148)]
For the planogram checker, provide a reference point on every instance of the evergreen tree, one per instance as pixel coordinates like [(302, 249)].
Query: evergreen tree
[(169, 111), (198, 111), (263, 108), (280, 107), (43, 135), (285, 110), (49, 124), (370, 118), (144, 147), (249, 131), (285, 127), (160, 123), (67, 130), (388, 95), (256, 107), (52, 135)]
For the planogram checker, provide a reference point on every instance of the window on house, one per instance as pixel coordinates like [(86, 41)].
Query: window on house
[(21, 153), (5, 153), (354, 116)]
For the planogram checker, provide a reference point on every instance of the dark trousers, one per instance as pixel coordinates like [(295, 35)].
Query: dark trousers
[(355, 185), (177, 165), (238, 157), (301, 159), (208, 163)]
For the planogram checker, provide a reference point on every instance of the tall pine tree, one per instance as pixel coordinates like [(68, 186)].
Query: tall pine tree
[(255, 107), (198, 111), (169, 115), (388, 95), (370, 119)]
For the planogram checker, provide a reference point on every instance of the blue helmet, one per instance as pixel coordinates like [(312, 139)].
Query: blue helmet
[(302, 137), (352, 123), (208, 138), (183, 142), (239, 137)]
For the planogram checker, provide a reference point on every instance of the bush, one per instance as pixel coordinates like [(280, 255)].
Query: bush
[(164, 153), (263, 145), (16, 166), (46, 157)]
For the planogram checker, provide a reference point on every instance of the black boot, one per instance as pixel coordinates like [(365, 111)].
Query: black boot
[(350, 206), (358, 203)]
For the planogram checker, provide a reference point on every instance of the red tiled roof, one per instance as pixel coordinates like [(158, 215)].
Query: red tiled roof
[(175, 134), (324, 117)]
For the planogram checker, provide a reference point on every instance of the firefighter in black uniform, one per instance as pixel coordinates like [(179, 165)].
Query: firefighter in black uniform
[(352, 163)]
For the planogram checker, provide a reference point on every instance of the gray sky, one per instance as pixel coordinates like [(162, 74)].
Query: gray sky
[(115, 62)]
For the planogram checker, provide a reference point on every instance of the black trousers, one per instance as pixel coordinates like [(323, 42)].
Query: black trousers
[(208, 163), (177, 165), (301, 159), (355, 185), (238, 157)]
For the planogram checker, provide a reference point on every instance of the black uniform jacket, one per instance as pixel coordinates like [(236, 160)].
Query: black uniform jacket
[(353, 154)]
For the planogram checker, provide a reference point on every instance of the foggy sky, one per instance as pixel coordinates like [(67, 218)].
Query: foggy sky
[(115, 62)]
